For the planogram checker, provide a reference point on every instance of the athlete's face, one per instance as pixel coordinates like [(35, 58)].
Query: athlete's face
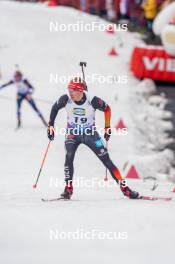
[(18, 78), (75, 96)]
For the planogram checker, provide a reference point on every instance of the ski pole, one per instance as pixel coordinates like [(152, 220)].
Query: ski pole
[(42, 164), (82, 65), (106, 170)]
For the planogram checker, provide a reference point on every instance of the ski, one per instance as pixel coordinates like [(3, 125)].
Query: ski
[(146, 198), (155, 198), (54, 199)]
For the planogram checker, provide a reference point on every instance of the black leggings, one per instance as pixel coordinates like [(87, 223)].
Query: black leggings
[(95, 143)]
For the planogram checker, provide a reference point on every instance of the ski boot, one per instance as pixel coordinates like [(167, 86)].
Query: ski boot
[(68, 191), (129, 193)]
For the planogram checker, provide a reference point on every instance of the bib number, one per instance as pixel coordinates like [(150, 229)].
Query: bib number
[(82, 120)]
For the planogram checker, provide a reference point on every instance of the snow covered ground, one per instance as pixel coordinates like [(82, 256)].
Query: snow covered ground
[(29, 227)]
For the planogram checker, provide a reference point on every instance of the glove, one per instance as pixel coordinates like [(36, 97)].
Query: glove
[(51, 132), (107, 133)]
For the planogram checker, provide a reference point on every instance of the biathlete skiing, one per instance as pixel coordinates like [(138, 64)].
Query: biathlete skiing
[(80, 110), (24, 92)]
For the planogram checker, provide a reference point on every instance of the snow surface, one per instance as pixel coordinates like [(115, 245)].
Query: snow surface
[(26, 222)]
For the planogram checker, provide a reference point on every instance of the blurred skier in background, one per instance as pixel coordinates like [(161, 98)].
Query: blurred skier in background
[(24, 92)]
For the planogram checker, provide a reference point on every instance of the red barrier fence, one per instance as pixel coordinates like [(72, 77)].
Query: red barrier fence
[(154, 63)]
